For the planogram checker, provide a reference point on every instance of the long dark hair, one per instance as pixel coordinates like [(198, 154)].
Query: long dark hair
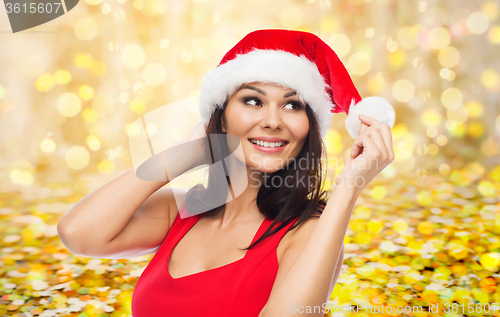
[(280, 203)]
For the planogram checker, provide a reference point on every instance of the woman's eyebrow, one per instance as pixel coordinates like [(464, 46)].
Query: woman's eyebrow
[(288, 94), (253, 88)]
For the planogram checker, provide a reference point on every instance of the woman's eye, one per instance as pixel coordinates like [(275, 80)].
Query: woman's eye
[(252, 101), (293, 105)]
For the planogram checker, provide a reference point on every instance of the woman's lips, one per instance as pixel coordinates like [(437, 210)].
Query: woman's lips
[(268, 149)]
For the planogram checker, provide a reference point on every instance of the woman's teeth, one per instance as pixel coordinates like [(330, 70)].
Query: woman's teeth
[(268, 144)]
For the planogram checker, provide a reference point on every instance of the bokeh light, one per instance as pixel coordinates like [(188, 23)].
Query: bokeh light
[(21, 172), (477, 22), (340, 43), (154, 74), (449, 57), (48, 145), (133, 56), (62, 76), (452, 98), (359, 63), (103, 104), (77, 157), (45, 82), (408, 37), (93, 142), (85, 92), (69, 104), (403, 90), (439, 38), (494, 35), (490, 79), (86, 29), (458, 114)]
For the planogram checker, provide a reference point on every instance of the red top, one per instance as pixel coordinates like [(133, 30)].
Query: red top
[(240, 288)]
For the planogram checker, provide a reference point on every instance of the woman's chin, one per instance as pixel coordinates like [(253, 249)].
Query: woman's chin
[(267, 168), (262, 169), (268, 171)]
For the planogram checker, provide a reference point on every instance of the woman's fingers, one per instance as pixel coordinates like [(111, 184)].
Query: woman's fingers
[(364, 145), (359, 145), (376, 144), (363, 127), (368, 120), (356, 147), (376, 137), (387, 136), (384, 129)]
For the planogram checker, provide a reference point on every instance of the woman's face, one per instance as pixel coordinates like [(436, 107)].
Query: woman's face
[(271, 116)]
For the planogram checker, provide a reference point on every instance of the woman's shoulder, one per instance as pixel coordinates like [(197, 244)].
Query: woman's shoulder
[(305, 228), (300, 234)]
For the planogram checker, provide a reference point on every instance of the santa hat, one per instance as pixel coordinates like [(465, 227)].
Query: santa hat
[(300, 61)]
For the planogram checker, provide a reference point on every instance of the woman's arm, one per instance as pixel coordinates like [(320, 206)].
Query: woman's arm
[(129, 216), (338, 268), (308, 271), (94, 226), (125, 217)]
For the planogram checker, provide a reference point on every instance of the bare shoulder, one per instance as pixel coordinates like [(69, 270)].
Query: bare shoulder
[(298, 235), (304, 230), (176, 197)]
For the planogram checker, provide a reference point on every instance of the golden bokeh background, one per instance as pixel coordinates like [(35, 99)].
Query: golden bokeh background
[(68, 96), (70, 89)]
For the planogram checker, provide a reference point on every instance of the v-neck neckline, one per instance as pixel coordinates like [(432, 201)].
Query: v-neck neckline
[(257, 234)]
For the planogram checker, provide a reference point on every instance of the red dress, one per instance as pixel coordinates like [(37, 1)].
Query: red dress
[(240, 288)]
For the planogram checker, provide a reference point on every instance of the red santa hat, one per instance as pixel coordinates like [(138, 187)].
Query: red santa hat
[(297, 60)]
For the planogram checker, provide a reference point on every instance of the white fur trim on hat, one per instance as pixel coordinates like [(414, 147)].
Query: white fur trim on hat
[(267, 66), (375, 107)]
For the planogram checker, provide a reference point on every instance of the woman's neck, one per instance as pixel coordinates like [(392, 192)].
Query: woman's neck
[(241, 200)]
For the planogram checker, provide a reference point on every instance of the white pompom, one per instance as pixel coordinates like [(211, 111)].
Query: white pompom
[(375, 107)]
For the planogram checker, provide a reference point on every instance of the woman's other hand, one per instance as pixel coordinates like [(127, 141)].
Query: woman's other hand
[(178, 158), (198, 132), (200, 149), (193, 149), (371, 152)]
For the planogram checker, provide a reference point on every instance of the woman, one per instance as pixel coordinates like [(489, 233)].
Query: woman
[(275, 92)]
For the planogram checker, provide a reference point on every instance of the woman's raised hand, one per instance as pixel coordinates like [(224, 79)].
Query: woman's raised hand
[(198, 138), (193, 148), (198, 132), (178, 158), (371, 152)]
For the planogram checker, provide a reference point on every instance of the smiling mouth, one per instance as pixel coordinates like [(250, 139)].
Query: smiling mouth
[(268, 144)]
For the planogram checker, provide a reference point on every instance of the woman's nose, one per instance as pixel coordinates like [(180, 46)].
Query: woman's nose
[(272, 118)]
